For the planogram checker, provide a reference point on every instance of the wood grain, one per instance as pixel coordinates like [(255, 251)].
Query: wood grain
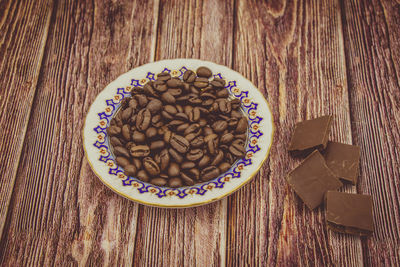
[(195, 236), (371, 35), (300, 68), (23, 33), (76, 219)]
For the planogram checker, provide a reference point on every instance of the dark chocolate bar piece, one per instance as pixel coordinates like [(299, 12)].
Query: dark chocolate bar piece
[(311, 134), (343, 160), (349, 213), (311, 179)]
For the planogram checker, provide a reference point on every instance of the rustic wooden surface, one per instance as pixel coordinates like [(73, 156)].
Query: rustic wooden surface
[(308, 58)]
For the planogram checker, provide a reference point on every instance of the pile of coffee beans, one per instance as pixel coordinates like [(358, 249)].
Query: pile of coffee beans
[(175, 132)]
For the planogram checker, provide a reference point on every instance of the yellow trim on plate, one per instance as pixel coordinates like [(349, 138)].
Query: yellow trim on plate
[(194, 204)]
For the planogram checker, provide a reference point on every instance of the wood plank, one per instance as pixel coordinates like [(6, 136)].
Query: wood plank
[(193, 236), (293, 52), (371, 36), (61, 214), (23, 33)]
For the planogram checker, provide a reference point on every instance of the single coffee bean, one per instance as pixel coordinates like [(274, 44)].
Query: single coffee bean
[(175, 155), (209, 173), (189, 76), (218, 158), (210, 137), (143, 119), (175, 182), (224, 167), (114, 130), (179, 143), (175, 123), (163, 76), (181, 116), (235, 103), (190, 137), (237, 150), (138, 137), (195, 114), (138, 163), (241, 125), (192, 128), (202, 122), (219, 126), (151, 166), (174, 82), (208, 102), (161, 87), (195, 100), (126, 114), (226, 138), (206, 96), (231, 159), (218, 83), (139, 151), (179, 108), (142, 100), (197, 142), (212, 146), (157, 145), (208, 131), (204, 161), (151, 132), (133, 104), (168, 98), (126, 133), (192, 174), (175, 91), (173, 169), (236, 114), (167, 136), (159, 181), (121, 161), (194, 154), (188, 165), (121, 151), (154, 106), (143, 176), (182, 127), (164, 159), (170, 109), (166, 115), (115, 141), (187, 180), (155, 118), (225, 106), (214, 107), (204, 72), (129, 145), (222, 93), (232, 123), (194, 91), (130, 170), (241, 136)]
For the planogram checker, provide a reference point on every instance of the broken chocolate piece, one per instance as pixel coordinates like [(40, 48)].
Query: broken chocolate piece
[(311, 134), (343, 160), (311, 179), (349, 213)]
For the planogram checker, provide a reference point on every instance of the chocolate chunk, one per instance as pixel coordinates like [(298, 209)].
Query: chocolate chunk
[(349, 213), (311, 134), (343, 160), (311, 179)]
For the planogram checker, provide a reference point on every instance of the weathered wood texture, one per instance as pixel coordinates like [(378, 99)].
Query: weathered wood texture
[(196, 236), (371, 34), (23, 33), (308, 58)]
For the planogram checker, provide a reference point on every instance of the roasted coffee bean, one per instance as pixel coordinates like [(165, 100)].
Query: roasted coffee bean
[(201, 82), (168, 98), (204, 72), (139, 151), (194, 114), (167, 136), (188, 165), (195, 92), (196, 142), (226, 138), (174, 83), (190, 137), (164, 159), (241, 136), (175, 91), (202, 122), (237, 150), (122, 161), (114, 130), (126, 114), (189, 76), (170, 109), (151, 166), (218, 158), (219, 126), (218, 83), (181, 116), (166, 115), (222, 93), (157, 145), (143, 119), (121, 151), (155, 118), (208, 131), (138, 163), (126, 133), (241, 125), (194, 154), (130, 170), (206, 96), (209, 173), (187, 180), (179, 108), (179, 143), (138, 137), (225, 106), (212, 146), (142, 175), (129, 145), (159, 181), (142, 100), (175, 182), (235, 103), (175, 123), (163, 76), (175, 155), (224, 167), (133, 104), (115, 141), (192, 174), (195, 100), (151, 132), (192, 128), (161, 87), (173, 169), (208, 102), (236, 114), (232, 122), (182, 127), (154, 106), (230, 157), (210, 137), (224, 147)]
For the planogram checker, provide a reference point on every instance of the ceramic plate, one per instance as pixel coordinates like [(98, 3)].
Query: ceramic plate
[(97, 148)]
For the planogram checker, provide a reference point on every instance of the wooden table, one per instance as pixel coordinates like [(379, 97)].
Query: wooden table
[(309, 58)]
